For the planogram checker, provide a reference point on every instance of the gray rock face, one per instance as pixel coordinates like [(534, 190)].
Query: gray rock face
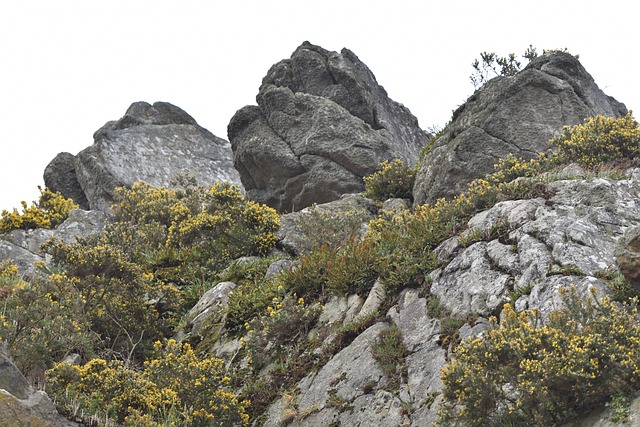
[(150, 143), (205, 307), (321, 124), (628, 256), (551, 245), (23, 246), (60, 176), (350, 389), (518, 115), (20, 404)]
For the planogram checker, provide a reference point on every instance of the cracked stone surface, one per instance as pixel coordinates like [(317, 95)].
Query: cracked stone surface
[(150, 143), (518, 115), (551, 244), (321, 124)]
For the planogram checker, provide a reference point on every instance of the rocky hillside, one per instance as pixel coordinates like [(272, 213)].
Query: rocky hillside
[(314, 295)]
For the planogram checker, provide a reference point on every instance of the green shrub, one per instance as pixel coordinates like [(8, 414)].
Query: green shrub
[(389, 352), (344, 270), (49, 211), (525, 371), (394, 179), (286, 320), (324, 227)]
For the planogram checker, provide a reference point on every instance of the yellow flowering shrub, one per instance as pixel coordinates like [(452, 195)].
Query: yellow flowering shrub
[(195, 228), (394, 179), (526, 371), (49, 211), (41, 321), (174, 385), (599, 140), (126, 307), (199, 385)]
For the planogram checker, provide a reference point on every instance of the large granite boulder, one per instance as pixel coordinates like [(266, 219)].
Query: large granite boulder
[(518, 115), (321, 124), (151, 143)]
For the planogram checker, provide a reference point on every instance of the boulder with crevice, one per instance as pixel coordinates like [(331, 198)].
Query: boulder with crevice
[(321, 124)]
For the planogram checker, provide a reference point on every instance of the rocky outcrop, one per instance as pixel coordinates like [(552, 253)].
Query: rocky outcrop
[(20, 404), (351, 388), (23, 246), (538, 246), (549, 244), (518, 115), (321, 124), (151, 143)]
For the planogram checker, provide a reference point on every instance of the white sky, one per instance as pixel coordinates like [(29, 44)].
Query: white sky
[(68, 67)]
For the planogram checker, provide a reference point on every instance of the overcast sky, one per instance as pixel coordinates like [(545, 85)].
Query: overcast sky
[(68, 67)]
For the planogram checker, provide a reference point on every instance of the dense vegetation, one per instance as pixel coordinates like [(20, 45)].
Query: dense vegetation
[(118, 298)]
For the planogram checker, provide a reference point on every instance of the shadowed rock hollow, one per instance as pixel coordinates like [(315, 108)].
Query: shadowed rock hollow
[(321, 124), (518, 115)]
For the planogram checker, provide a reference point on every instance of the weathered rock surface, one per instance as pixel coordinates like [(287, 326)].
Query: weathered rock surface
[(150, 143), (628, 256), (321, 124), (60, 176), (351, 388), (297, 235), (20, 404), (215, 297), (23, 246), (518, 115), (550, 245)]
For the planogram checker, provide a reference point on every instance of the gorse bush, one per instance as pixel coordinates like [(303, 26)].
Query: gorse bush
[(394, 179), (41, 321), (525, 371), (50, 210), (175, 384), (137, 278), (599, 140), (174, 229), (127, 308)]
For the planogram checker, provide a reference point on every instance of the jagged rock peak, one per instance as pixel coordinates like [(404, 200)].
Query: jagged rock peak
[(160, 113), (518, 115), (321, 124), (151, 143)]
